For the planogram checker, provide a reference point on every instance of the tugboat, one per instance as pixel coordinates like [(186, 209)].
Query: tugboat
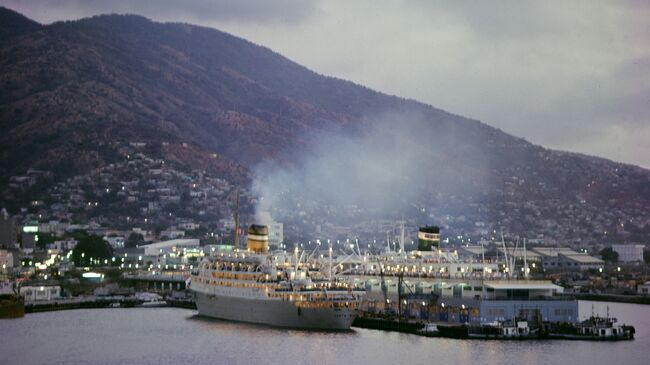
[(594, 329), (515, 330)]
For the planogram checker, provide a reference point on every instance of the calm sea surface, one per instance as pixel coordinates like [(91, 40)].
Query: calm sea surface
[(164, 336)]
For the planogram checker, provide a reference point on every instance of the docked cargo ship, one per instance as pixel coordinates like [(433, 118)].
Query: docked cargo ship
[(257, 287)]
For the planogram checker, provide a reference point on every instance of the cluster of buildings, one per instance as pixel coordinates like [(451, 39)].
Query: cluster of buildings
[(177, 215), (139, 191), (148, 192)]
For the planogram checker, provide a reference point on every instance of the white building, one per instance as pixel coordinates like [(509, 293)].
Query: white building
[(65, 245), (115, 242), (276, 229), (172, 233), (227, 223), (629, 253), (42, 292), (6, 259), (54, 227), (276, 233), (565, 259), (189, 226), (162, 247)]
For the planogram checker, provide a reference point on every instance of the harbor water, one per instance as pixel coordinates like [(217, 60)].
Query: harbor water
[(163, 336)]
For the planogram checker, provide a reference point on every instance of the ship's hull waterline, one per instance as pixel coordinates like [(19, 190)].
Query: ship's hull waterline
[(276, 313)]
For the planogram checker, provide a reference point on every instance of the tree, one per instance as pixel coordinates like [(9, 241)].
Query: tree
[(646, 256), (44, 239), (134, 240), (91, 247), (608, 254)]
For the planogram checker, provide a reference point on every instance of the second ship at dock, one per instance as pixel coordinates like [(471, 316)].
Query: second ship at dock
[(395, 290)]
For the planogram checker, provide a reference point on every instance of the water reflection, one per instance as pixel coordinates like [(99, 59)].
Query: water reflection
[(177, 336)]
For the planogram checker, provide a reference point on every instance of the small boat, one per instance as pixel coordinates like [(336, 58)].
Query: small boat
[(150, 300), (429, 330)]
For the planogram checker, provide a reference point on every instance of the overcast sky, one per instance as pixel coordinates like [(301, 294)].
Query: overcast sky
[(569, 75)]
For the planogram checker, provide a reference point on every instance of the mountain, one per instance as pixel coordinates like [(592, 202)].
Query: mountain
[(73, 93), (14, 24)]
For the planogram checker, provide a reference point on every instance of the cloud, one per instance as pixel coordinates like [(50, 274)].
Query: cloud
[(560, 74), (195, 11), (567, 75)]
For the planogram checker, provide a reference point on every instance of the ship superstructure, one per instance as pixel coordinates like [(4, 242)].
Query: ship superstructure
[(273, 289)]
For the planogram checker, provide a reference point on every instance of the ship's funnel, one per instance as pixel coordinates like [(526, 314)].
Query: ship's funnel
[(428, 238), (258, 238)]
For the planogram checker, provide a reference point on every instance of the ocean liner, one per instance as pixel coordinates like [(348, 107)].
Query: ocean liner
[(255, 286)]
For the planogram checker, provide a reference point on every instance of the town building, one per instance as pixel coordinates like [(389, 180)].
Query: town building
[(64, 245), (189, 226), (629, 253), (29, 242), (32, 293), (566, 259), (6, 259), (169, 246), (478, 301), (7, 230), (276, 229), (172, 234), (115, 241)]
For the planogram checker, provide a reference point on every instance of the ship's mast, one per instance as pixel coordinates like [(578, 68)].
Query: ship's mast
[(483, 259), (236, 217), (329, 276), (513, 257), (525, 262), (384, 288), (356, 242), (505, 251)]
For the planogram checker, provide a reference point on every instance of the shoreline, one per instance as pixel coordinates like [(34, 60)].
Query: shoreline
[(60, 305), (98, 303), (93, 302), (614, 298)]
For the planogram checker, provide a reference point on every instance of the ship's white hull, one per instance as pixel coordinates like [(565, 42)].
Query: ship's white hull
[(278, 313)]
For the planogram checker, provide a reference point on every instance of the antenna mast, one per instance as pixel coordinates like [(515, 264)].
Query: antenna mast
[(401, 240), (388, 241), (483, 258)]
